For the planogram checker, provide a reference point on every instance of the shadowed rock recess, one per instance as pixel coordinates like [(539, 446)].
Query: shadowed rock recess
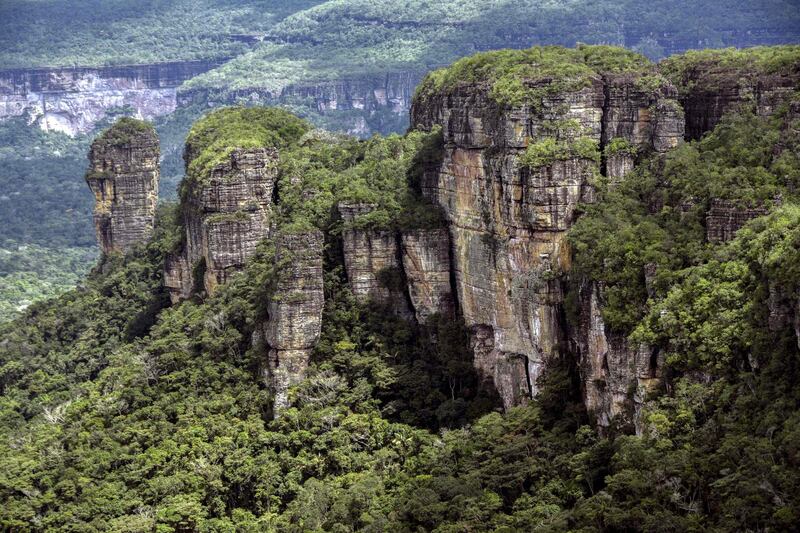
[(123, 175), (527, 138)]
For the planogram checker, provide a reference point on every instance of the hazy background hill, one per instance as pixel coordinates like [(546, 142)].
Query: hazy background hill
[(348, 65)]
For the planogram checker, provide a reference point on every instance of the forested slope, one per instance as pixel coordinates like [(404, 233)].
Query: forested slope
[(120, 410)]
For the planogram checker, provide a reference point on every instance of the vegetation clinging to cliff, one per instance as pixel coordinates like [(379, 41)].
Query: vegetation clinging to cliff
[(657, 214), (212, 138), (318, 174), (710, 66), (123, 131), (517, 77)]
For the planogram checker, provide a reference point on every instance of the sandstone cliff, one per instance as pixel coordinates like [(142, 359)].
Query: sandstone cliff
[(73, 100), (123, 175), (372, 261), (294, 312), (509, 203), (514, 172), (226, 213)]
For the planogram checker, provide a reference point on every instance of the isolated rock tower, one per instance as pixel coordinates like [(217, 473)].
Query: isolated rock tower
[(123, 175)]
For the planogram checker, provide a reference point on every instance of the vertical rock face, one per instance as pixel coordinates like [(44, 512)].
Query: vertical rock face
[(73, 100), (226, 214), (711, 88), (508, 224), (508, 221), (642, 110), (426, 263), (372, 261), (177, 277), (294, 312), (724, 219), (123, 175), (616, 375)]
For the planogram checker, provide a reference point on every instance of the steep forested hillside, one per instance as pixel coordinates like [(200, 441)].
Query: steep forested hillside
[(122, 411)]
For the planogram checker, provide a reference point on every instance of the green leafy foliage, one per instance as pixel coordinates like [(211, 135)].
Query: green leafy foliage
[(519, 77), (120, 411), (383, 172), (730, 64), (548, 150), (212, 138)]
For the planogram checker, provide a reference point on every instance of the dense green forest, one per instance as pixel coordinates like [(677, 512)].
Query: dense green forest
[(121, 412), (51, 33), (357, 39)]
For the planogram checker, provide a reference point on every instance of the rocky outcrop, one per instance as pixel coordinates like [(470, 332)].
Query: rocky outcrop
[(73, 100), (226, 213), (508, 221), (710, 88), (123, 175), (372, 261), (616, 375), (177, 277), (294, 312), (426, 264), (725, 218)]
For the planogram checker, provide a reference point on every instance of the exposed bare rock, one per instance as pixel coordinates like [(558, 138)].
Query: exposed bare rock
[(641, 109), (227, 213), (426, 263), (616, 375), (725, 218), (294, 312), (123, 175), (711, 88), (372, 261), (353, 101), (618, 165), (508, 223), (177, 277), (73, 100)]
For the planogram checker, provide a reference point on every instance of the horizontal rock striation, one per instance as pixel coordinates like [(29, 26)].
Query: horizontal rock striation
[(372, 261), (508, 220), (226, 213), (294, 312), (426, 264), (725, 218), (711, 88), (123, 175), (73, 100), (617, 376), (359, 106)]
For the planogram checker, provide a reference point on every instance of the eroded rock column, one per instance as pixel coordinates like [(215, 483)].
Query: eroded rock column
[(226, 213), (294, 312), (123, 175), (372, 261)]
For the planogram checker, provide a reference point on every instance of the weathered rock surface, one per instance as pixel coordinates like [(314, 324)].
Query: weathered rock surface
[(372, 261), (294, 312), (225, 215), (710, 89), (616, 375), (73, 100), (426, 263), (725, 218), (508, 222), (123, 175), (357, 104), (177, 277)]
